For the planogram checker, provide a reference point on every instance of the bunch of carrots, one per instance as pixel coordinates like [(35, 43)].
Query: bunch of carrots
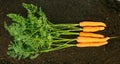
[(35, 34), (89, 39)]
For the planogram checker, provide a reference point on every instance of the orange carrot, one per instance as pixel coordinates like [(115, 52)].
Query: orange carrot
[(91, 44), (90, 39), (92, 29), (91, 34), (91, 23)]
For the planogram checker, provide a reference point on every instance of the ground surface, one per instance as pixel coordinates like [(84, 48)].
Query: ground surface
[(67, 11)]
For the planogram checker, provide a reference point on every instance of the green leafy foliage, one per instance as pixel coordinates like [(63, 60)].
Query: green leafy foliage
[(34, 34), (27, 33)]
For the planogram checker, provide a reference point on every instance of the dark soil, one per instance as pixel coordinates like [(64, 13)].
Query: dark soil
[(68, 11)]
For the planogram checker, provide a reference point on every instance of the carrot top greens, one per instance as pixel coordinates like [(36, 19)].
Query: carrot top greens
[(35, 34)]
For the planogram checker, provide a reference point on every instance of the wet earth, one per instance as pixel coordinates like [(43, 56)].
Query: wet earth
[(68, 11)]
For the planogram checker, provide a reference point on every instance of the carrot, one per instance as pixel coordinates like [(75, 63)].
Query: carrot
[(91, 39), (91, 23), (91, 44), (92, 29), (91, 34)]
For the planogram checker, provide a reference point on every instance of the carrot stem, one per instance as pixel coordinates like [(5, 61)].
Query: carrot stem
[(63, 40), (78, 29), (69, 33), (59, 47), (66, 25)]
